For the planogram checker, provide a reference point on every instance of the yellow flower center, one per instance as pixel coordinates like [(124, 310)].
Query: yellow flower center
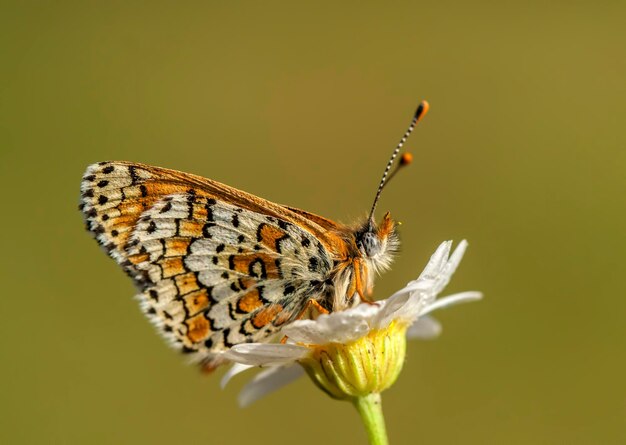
[(368, 365)]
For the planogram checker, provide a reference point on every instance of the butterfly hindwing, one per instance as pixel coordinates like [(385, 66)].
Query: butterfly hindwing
[(231, 265), (211, 273)]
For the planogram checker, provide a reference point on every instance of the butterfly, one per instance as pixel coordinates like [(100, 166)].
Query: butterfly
[(216, 266)]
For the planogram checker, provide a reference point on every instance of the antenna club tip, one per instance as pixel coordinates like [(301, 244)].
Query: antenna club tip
[(422, 109), (406, 158)]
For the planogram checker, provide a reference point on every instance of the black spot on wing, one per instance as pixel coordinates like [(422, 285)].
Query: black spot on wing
[(260, 265), (280, 240), (206, 228), (278, 268), (133, 174), (166, 208), (191, 199), (313, 264), (154, 295), (226, 333), (209, 211), (241, 283), (259, 235), (151, 227)]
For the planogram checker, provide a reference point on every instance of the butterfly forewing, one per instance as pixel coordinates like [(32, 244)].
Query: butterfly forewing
[(214, 267)]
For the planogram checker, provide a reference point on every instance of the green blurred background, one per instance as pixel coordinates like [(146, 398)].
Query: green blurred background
[(523, 153)]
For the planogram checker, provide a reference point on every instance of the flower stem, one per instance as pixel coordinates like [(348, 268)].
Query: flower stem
[(370, 409)]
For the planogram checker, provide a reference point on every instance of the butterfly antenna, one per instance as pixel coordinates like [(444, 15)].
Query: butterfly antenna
[(422, 109), (405, 159)]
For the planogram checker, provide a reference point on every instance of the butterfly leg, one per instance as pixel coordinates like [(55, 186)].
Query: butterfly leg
[(361, 283), (358, 282), (310, 304), (321, 309)]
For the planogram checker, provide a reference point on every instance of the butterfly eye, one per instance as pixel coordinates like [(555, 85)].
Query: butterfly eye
[(369, 244)]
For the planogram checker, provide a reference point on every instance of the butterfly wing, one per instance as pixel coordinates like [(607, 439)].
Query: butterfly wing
[(215, 266)]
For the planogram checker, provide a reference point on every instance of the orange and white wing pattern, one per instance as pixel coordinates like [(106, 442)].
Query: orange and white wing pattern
[(215, 266)]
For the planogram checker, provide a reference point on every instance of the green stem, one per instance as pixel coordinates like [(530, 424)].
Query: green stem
[(370, 409)]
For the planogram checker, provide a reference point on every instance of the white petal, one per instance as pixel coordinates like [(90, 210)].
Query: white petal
[(462, 297), (398, 306), (338, 327), (437, 274), (432, 274), (306, 331), (449, 268), (424, 328), (237, 368), (258, 354), (347, 326), (268, 381), (437, 260)]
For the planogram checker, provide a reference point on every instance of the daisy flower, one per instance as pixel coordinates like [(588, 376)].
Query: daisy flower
[(357, 353)]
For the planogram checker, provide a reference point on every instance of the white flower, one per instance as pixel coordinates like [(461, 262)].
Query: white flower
[(374, 333)]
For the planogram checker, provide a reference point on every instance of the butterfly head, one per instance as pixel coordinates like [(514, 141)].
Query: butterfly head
[(378, 243)]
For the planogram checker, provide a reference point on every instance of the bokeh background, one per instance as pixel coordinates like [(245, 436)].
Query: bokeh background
[(523, 153)]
